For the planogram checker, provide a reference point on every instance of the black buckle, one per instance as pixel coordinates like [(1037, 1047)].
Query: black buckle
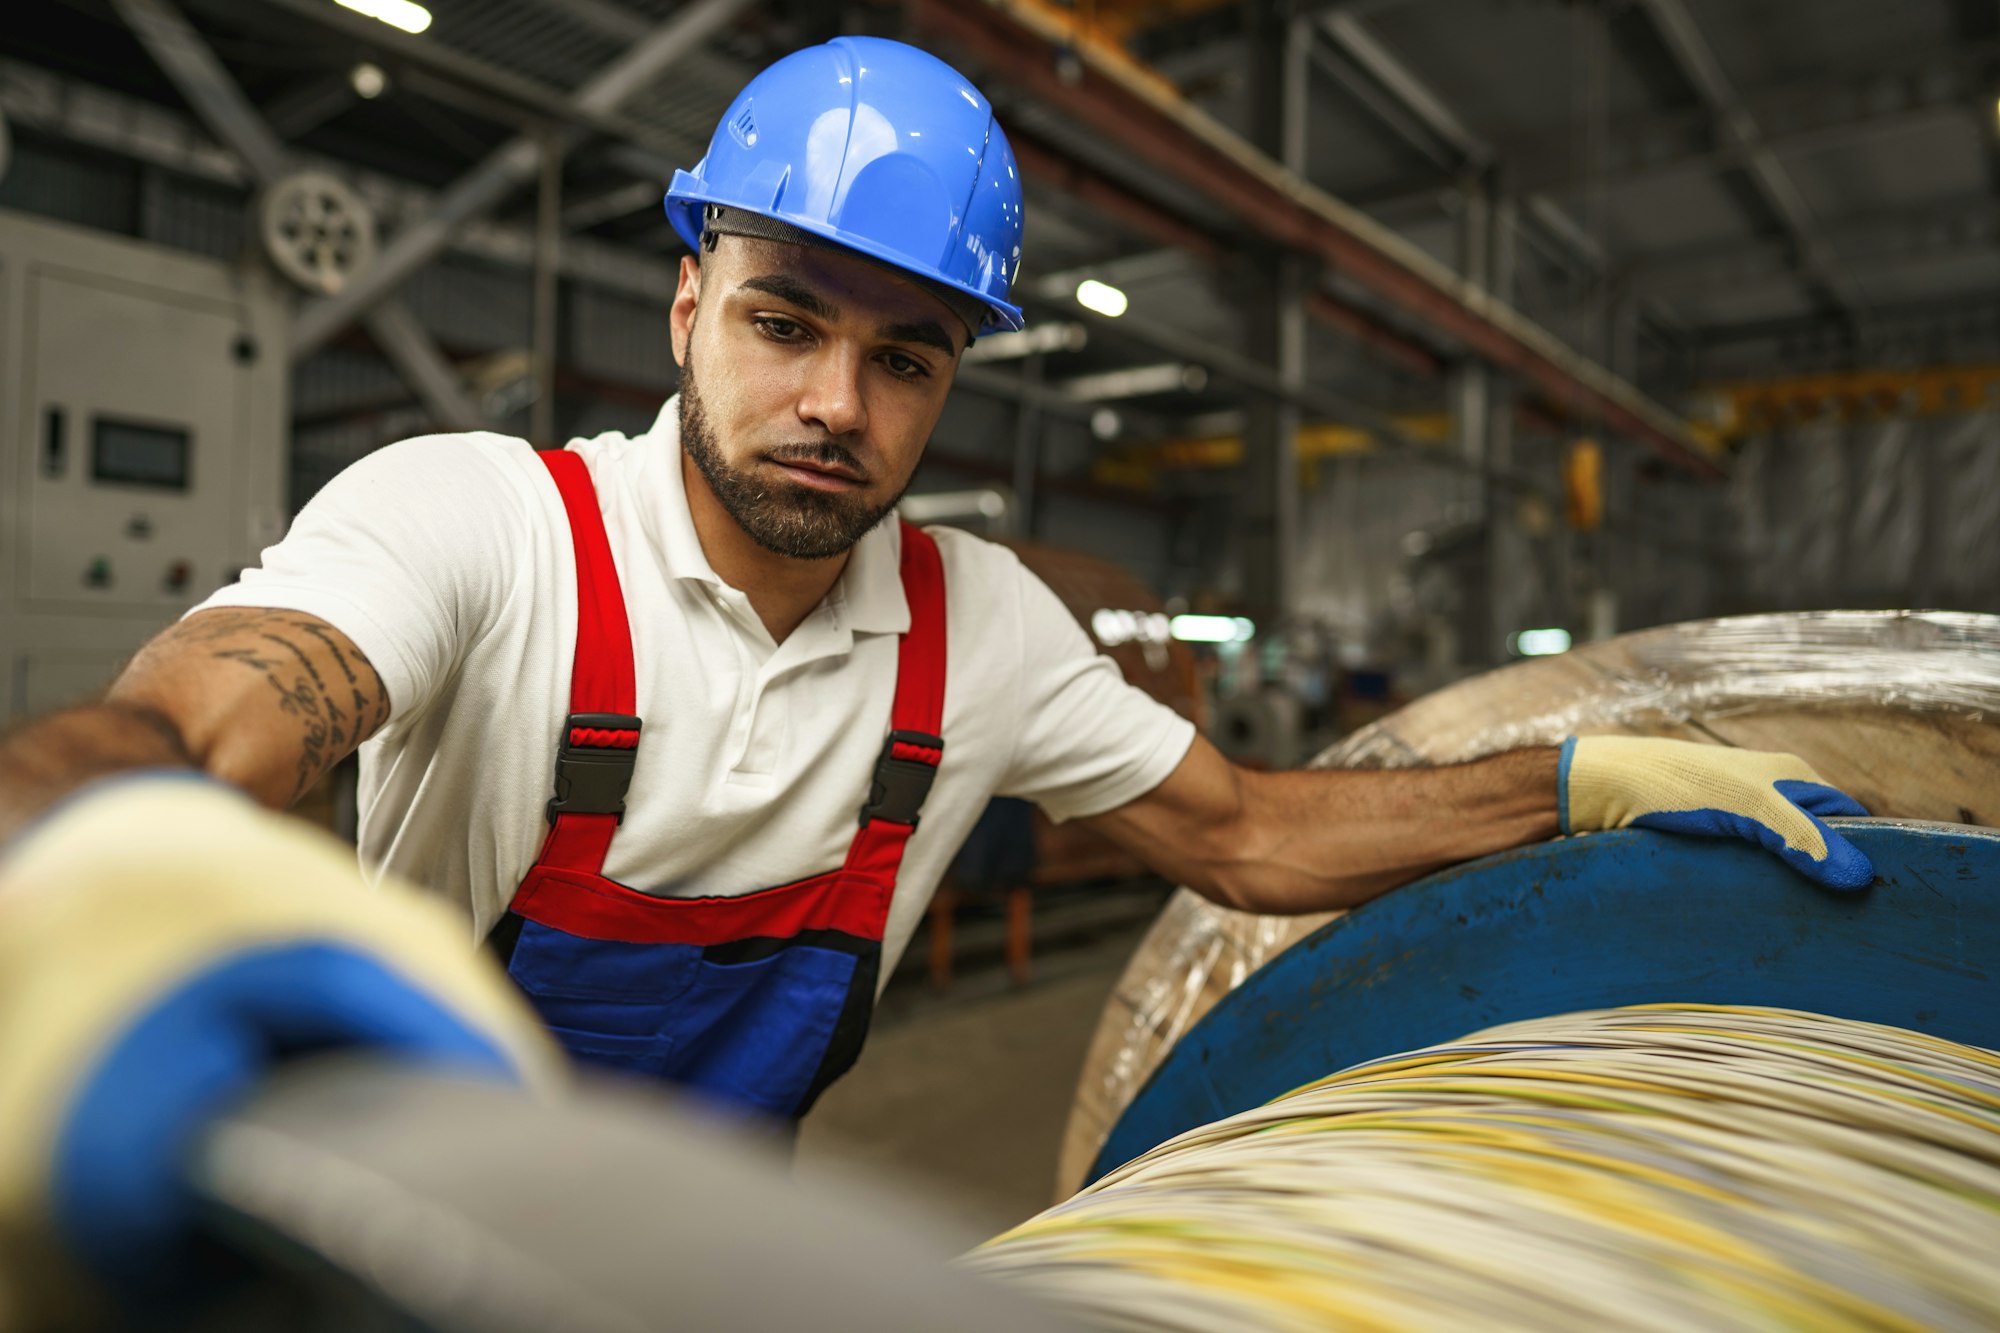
[(900, 786), (593, 779)]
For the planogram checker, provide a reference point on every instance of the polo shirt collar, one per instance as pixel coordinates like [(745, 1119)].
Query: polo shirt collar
[(868, 596)]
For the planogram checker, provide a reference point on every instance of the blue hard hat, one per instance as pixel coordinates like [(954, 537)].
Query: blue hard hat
[(880, 148)]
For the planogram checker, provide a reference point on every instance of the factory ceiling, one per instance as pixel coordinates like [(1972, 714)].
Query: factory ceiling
[(1698, 188)]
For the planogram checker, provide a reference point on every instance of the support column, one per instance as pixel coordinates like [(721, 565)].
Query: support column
[(1028, 425), (1512, 590), (548, 273), (1268, 510)]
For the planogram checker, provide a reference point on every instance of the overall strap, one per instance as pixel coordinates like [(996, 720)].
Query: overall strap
[(600, 737), (915, 746)]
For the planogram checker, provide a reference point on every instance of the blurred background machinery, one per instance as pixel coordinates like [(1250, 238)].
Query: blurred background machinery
[(144, 389)]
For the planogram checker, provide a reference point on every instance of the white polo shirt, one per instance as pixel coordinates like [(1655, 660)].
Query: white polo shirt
[(447, 560)]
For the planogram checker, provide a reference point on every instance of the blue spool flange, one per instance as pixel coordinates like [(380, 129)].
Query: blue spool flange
[(1591, 923)]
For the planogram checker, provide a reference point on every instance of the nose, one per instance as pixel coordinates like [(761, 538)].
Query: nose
[(831, 397)]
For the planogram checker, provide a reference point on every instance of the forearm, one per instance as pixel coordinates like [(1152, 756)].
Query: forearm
[(45, 760), (1316, 840)]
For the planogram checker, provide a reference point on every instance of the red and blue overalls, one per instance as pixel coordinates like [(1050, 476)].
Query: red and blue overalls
[(760, 1000)]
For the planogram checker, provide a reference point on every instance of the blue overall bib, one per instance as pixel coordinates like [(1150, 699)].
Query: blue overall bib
[(760, 1000)]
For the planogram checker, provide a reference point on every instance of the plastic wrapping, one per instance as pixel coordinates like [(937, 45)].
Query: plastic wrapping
[(1896, 707)]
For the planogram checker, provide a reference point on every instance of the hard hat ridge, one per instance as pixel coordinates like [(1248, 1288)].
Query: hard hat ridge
[(878, 148)]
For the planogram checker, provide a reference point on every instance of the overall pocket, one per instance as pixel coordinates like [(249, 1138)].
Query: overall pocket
[(609, 1003), (769, 1024)]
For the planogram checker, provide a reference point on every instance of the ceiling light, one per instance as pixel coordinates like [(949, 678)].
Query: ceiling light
[(369, 81), (1101, 297), (1135, 382), (1541, 642), (1212, 629), (396, 13)]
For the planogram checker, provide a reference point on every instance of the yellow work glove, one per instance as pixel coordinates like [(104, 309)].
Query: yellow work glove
[(1775, 800), (163, 944)]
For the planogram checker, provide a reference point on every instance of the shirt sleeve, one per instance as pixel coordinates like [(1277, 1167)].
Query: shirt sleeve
[(406, 552), (1088, 741)]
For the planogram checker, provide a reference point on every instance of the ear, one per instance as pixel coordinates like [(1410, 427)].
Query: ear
[(685, 299)]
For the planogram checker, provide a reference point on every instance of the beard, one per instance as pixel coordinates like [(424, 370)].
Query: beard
[(781, 516)]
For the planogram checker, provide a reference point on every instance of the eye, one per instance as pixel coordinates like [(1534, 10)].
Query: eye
[(904, 366), (780, 329)]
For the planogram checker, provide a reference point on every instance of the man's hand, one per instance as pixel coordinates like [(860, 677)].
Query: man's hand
[(164, 944), (1776, 800)]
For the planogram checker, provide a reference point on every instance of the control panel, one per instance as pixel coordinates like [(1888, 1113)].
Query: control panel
[(142, 441)]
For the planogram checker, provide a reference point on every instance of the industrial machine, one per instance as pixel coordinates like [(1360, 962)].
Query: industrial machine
[(142, 446)]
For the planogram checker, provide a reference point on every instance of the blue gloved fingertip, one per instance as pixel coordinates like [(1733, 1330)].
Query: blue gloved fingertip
[(1816, 798)]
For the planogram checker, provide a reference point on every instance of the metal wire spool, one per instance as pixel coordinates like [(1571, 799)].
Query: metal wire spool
[(1653, 1167), (1896, 707)]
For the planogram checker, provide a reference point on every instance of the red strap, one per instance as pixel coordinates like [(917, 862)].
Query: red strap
[(877, 848), (601, 677), (601, 674), (920, 660)]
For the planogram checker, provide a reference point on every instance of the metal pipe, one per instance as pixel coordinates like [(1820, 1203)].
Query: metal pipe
[(200, 77)]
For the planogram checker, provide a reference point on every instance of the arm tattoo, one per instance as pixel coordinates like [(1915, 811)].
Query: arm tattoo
[(330, 718)]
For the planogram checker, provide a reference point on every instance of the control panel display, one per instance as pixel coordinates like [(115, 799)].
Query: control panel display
[(138, 454)]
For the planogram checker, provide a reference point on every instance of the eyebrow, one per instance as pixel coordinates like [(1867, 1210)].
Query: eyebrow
[(923, 332), (928, 333), (792, 290)]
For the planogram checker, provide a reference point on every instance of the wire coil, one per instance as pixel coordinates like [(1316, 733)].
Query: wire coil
[(1658, 1167)]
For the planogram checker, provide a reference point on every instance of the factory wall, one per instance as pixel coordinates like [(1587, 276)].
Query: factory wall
[(1872, 514)]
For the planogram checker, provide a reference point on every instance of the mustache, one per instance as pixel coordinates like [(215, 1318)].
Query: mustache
[(824, 453)]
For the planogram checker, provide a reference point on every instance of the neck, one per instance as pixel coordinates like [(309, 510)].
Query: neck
[(782, 590)]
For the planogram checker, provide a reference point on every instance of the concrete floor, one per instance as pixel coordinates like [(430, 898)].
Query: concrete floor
[(964, 1096)]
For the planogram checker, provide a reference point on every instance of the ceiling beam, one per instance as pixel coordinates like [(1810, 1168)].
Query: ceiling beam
[(1696, 60), (1938, 228), (507, 168), (1164, 227), (1805, 116), (1106, 91), (1978, 24), (158, 136), (201, 78), (1405, 102)]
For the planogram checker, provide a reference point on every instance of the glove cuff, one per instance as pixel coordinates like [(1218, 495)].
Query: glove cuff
[(1562, 785)]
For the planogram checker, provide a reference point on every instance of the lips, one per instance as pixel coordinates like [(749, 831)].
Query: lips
[(820, 476)]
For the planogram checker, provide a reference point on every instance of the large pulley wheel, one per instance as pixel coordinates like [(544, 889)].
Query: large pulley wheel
[(317, 230)]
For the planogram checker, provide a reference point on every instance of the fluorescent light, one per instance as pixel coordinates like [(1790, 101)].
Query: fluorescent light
[(1136, 382), (396, 13), (1541, 642), (1212, 629), (1112, 627), (1101, 297)]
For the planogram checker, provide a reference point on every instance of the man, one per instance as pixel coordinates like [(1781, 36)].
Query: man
[(772, 713)]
